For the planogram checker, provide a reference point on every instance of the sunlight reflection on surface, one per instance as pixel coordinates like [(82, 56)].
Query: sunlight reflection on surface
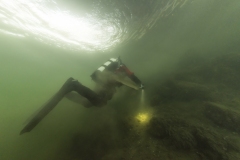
[(100, 27), (45, 21)]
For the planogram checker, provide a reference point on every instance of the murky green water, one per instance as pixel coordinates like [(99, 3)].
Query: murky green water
[(45, 42)]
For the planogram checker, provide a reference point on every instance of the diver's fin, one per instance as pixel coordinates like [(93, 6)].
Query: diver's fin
[(68, 86), (43, 112)]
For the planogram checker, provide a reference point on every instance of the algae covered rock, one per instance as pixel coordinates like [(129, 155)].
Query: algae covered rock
[(175, 130), (178, 133), (187, 94), (223, 116), (215, 145)]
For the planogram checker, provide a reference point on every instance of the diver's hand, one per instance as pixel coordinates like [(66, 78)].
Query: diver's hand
[(141, 86)]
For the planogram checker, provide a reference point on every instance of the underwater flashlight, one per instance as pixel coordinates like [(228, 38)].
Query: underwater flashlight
[(141, 87)]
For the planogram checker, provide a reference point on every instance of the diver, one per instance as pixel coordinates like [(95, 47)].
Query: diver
[(107, 78)]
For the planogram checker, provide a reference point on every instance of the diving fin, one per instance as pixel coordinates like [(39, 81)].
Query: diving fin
[(43, 112), (68, 86)]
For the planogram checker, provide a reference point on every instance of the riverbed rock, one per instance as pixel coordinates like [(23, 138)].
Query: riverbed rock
[(223, 116)]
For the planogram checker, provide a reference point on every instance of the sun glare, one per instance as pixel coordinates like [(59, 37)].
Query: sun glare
[(46, 21)]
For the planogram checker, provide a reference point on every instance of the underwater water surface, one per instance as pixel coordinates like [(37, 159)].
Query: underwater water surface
[(186, 52)]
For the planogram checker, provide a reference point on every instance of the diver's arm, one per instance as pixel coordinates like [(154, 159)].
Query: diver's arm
[(133, 77), (136, 80)]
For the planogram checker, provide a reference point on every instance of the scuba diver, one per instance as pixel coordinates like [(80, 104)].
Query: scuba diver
[(107, 77)]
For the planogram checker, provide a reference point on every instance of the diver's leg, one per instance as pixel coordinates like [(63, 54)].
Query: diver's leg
[(75, 97), (68, 86)]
